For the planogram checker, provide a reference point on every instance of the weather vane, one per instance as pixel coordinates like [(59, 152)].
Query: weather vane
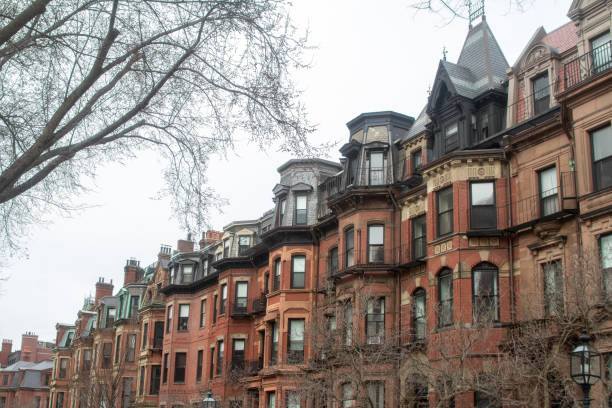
[(444, 52), (475, 9)]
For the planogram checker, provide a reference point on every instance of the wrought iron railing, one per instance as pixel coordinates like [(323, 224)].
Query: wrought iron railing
[(259, 304), (587, 65)]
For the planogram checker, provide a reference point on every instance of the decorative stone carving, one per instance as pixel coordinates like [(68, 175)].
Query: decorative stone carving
[(414, 206), (479, 168)]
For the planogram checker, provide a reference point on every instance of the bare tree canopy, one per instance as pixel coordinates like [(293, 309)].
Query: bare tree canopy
[(83, 82), (451, 9)]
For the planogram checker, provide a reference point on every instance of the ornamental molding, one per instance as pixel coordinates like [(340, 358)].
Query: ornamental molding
[(414, 206), (455, 170)]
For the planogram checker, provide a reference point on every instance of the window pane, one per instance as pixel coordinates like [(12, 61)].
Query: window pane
[(445, 199), (602, 143), (241, 289), (376, 234), (376, 160), (300, 202), (184, 311), (445, 287), (482, 194), (548, 182), (239, 345), (299, 264)]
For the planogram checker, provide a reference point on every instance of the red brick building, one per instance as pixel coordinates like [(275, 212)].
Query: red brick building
[(436, 265)]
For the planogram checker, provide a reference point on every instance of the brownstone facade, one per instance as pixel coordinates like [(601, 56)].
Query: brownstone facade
[(422, 270)]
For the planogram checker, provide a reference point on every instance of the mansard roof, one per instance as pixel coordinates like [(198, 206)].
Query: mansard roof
[(481, 66), (418, 126), (556, 42)]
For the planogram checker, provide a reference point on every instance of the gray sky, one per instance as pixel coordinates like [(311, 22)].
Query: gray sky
[(370, 56)]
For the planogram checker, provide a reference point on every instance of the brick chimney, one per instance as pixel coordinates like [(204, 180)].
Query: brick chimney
[(7, 348), (185, 245), (209, 237), (165, 251), (29, 345), (103, 289), (131, 272)]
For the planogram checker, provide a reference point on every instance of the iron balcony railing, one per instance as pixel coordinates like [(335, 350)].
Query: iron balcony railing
[(259, 305), (587, 65)]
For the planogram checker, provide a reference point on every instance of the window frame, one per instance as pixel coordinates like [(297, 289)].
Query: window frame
[(223, 299), (273, 343), (373, 249), (445, 273), (202, 313), (294, 281), (477, 298), (375, 320), (238, 356), (553, 299), (606, 273), (488, 210), (419, 242), (419, 320), (417, 153), (596, 177), (451, 140), (169, 318), (301, 212), (332, 263), (295, 347), (220, 352), (373, 177), (553, 197), (243, 248), (538, 103), (130, 353), (277, 275), (349, 252), (241, 303), (199, 365), (180, 369), (450, 210), (182, 322)]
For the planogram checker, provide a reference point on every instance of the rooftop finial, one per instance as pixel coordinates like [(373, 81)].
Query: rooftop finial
[(444, 52), (476, 8)]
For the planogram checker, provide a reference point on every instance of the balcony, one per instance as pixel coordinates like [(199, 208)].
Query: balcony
[(595, 62), (549, 205), (240, 307), (259, 305)]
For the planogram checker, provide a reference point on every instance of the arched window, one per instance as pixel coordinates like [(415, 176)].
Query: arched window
[(445, 297), (419, 316), (485, 293)]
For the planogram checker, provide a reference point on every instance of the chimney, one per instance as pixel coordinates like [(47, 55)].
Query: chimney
[(131, 271), (103, 289), (165, 251), (210, 237), (185, 245), (29, 345), (7, 348)]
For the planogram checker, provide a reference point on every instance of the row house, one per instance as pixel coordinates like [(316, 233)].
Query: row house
[(450, 260)]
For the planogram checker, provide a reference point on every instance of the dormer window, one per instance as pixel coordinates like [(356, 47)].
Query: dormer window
[(377, 169), (244, 243), (416, 159), (226, 248), (541, 93), (111, 315), (281, 210), (451, 137), (300, 209)]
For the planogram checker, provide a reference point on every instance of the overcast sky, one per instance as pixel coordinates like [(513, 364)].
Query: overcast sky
[(370, 56)]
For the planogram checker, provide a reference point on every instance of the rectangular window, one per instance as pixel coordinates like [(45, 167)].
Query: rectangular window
[(155, 379), (203, 313), (219, 357), (553, 288), (180, 364), (332, 264), (63, 367), (483, 214), (419, 237), (601, 52), (226, 248), (60, 400), (346, 390), (347, 314), (111, 315), (281, 211), (131, 348), (601, 140), (445, 211), (549, 201), (223, 301), (141, 382), (86, 360), (186, 273), (301, 214), (419, 316), (244, 243), (277, 273), (376, 243), (451, 138), (241, 301), (416, 159), (274, 339), (199, 366), (377, 169), (169, 319), (485, 303), (541, 93), (183, 318), (165, 377), (238, 354), (117, 348), (349, 245), (145, 334), (375, 321), (376, 393), (211, 363), (295, 346), (158, 335), (605, 249), (215, 299), (298, 271), (445, 298), (134, 300), (107, 350), (293, 399), (271, 399)]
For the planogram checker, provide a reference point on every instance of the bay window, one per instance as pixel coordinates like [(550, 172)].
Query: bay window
[(298, 271), (295, 346), (375, 321), (445, 211), (349, 241), (485, 293), (483, 213), (376, 240), (445, 297)]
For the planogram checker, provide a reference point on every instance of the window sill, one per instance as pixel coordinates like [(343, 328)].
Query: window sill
[(179, 383)]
